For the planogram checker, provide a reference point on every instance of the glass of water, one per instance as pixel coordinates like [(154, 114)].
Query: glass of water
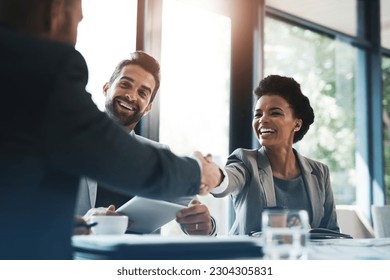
[(285, 234)]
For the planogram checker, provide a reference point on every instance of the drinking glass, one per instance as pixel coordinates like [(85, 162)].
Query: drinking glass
[(285, 234)]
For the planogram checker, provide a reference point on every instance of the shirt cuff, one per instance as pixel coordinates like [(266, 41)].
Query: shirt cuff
[(224, 184), (199, 163), (213, 231)]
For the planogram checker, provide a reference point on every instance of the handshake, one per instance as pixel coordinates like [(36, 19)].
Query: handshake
[(212, 175)]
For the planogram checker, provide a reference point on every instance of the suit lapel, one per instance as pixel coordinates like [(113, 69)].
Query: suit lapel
[(311, 184), (266, 178)]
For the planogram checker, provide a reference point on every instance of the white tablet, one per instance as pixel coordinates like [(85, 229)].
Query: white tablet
[(147, 215)]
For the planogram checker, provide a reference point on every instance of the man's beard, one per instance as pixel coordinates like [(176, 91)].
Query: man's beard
[(122, 119)]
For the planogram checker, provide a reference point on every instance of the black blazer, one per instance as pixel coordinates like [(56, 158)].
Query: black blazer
[(51, 133)]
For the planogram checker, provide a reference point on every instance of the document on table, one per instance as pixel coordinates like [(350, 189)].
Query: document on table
[(147, 215)]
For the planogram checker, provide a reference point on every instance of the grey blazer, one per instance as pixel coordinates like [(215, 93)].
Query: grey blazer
[(251, 188)]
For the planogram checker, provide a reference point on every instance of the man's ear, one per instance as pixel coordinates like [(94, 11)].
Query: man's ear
[(148, 109), (56, 10), (45, 12), (106, 86)]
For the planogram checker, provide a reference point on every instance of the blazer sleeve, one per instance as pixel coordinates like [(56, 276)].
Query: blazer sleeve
[(329, 220), (82, 140), (237, 172)]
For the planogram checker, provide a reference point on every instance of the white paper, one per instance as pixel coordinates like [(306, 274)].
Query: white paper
[(147, 215)]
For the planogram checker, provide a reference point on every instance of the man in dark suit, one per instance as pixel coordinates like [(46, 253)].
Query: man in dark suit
[(52, 133)]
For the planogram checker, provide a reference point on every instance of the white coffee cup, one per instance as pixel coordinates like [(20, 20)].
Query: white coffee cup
[(109, 224)]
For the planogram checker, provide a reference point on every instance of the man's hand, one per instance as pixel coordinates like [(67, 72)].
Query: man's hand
[(80, 226), (212, 176), (101, 211), (195, 219)]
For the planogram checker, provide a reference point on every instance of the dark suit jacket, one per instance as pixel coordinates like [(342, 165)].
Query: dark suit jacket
[(91, 195), (252, 189), (51, 133)]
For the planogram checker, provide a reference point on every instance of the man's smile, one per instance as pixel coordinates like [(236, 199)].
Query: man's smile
[(126, 106)]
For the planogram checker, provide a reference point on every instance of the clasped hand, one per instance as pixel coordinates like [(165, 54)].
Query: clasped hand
[(212, 175)]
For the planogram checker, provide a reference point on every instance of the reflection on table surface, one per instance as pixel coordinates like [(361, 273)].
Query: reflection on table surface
[(350, 249), (145, 247)]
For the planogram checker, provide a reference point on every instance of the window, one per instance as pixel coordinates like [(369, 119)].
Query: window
[(325, 68), (335, 14), (385, 23), (386, 124), (195, 83), (106, 35)]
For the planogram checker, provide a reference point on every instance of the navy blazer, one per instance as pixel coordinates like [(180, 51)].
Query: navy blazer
[(252, 189), (51, 133)]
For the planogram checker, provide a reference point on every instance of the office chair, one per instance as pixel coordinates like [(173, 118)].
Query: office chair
[(352, 221), (381, 220)]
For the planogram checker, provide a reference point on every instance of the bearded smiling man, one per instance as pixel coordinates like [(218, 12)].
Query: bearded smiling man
[(130, 93)]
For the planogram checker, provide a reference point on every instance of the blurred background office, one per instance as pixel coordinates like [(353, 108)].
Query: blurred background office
[(214, 52)]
